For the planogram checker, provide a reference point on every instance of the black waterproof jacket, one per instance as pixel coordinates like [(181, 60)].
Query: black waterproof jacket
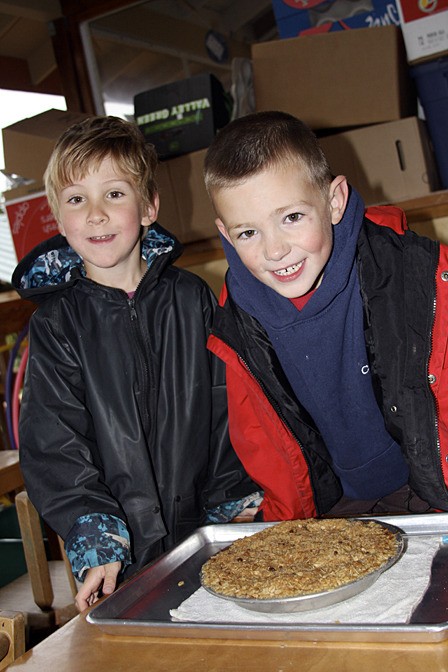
[(124, 410)]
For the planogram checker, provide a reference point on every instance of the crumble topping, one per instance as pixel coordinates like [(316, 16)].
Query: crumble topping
[(299, 557)]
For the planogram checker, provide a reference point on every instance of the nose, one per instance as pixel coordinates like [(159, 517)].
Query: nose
[(275, 248), (96, 215)]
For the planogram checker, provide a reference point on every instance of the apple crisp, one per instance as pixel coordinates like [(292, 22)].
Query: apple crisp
[(299, 557)]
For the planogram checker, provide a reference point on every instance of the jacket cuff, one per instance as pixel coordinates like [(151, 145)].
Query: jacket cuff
[(227, 511), (97, 539)]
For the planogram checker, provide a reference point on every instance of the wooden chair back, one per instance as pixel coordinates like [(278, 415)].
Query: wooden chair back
[(35, 554), (45, 595)]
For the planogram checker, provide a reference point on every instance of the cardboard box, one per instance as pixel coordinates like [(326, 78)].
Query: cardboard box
[(386, 163), (27, 144), (168, 211), (425, 28), (195, 214), (184, 116), (306, 18), (340, 79)]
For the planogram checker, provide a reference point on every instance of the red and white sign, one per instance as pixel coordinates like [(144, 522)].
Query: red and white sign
[(425, 27), (31, 221)]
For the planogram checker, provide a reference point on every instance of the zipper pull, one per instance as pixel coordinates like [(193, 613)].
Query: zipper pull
[(131, 304)]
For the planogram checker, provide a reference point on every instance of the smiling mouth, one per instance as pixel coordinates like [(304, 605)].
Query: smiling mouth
[(289, 270), (105, 237)]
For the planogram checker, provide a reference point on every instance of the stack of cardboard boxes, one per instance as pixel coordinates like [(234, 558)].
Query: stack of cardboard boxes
[(354, 89), (347, 76)]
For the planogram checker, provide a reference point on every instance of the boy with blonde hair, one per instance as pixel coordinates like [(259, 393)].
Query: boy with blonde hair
[(335, 354), (123, 424)]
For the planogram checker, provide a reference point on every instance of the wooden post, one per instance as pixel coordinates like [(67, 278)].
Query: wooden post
[(12, 637)]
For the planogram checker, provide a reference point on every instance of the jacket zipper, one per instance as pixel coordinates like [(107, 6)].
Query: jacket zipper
[(433, 396), (145, 403), (275, 406), (131, 301)]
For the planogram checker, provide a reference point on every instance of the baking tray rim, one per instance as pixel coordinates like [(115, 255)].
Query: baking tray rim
[(400, 632)]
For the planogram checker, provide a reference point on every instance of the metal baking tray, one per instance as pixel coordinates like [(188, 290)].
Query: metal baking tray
[(287, 605), (141, 606)]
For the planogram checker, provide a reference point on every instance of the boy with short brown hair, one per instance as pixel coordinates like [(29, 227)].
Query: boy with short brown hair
[(335, 368)]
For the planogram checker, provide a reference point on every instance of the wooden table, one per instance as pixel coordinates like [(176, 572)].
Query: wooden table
[(81, 647), (10, 475)]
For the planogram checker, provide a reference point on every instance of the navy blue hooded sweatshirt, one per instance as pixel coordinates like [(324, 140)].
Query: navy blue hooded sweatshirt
[(322, 351)]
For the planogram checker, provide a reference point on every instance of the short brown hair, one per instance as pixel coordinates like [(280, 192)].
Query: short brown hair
[(84, 145), (250, 144)]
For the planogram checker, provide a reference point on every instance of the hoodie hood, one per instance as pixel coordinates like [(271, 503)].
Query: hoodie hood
[(54, 265)]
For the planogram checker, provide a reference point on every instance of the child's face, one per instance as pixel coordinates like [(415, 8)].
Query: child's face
[(101, 216), (281, 226)]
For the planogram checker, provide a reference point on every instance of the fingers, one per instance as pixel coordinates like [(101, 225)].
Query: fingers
[(110, 577), (103, 577), (86, 596), (92, 598)]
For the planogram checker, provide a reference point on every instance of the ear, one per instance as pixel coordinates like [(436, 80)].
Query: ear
[(338, 198), (150, 212), (222, 230)]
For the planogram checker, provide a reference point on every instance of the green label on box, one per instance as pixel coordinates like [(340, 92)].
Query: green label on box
[(195, 118), (176, 113)]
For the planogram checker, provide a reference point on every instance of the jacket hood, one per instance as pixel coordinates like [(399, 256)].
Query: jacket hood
[(53, 265)]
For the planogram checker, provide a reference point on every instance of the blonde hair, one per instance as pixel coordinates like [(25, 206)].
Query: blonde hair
[(255, 142), (83, 146)]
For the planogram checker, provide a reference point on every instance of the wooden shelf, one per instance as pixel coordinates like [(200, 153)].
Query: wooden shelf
[(426, 207), (14, 313), (201, 252)]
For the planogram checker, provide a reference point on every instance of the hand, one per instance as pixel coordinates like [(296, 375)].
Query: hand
[(246, 515), (104, 577)]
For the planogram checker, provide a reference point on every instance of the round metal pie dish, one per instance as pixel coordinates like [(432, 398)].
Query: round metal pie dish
[(324, 599)]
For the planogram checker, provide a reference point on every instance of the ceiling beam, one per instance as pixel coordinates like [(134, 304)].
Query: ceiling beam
[(158, 48), (242, 14), (15, 76), (41, 63), (44, 10), (86, 10)]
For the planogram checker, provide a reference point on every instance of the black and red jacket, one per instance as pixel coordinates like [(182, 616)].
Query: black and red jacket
[(404, 286)]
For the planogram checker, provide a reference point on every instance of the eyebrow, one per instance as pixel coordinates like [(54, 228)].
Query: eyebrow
[(278, 211), (234, 227), (114, 180)]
